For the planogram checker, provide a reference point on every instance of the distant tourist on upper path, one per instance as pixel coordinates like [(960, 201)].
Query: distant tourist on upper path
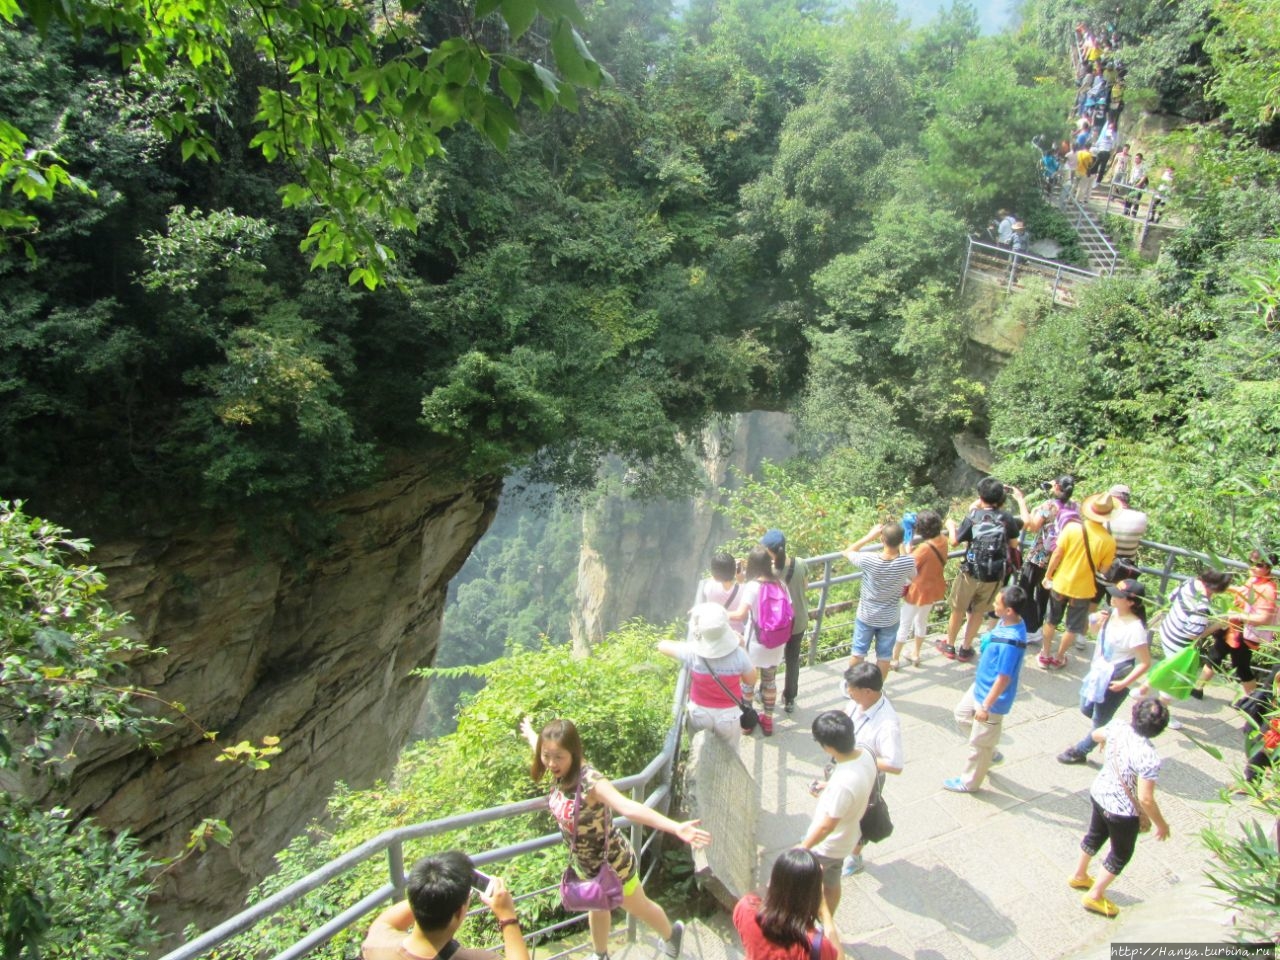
[(792, 922), (1084, 548), (762, 595), (885, 574), (876, 728), (1045, 522), (835, 827), (794, 574), (981, 711), (1102, 150), (988, 530), (1120, 167), (583, 803), (1164, 189), (1120, 659), (1256, 601), (1190, 618), (929, 586), (1125, 786), (718, 669), (438, 896), (1137, 183)]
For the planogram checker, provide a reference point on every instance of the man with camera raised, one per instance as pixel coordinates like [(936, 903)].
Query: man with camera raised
[(421, 927)]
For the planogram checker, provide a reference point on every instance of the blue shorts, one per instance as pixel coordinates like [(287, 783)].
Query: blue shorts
[(883, 636)]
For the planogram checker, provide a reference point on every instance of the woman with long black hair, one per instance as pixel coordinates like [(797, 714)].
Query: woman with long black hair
[(1121, 657), (792, 921)]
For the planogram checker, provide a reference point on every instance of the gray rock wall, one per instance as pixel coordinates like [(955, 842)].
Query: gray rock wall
[(317, 653)]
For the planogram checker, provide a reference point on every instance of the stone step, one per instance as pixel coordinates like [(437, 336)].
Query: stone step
[(709, 938)]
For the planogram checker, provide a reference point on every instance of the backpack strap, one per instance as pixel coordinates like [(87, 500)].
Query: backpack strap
[(732, 593), (737, 701), (942, 561), (815, 945), (791, 571)]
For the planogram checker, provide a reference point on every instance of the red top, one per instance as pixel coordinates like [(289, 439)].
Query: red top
[(759, 947)]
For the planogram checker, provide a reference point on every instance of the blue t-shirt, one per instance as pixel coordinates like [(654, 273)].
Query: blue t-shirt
[(997, 658)]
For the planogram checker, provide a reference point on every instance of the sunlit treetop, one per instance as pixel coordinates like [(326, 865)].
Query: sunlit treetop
[(359, 97)]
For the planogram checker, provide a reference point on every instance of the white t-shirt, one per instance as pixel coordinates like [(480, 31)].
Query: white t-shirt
[(845, 798), (761, 656), (878, 730), (1129, 756), (1119, 638)]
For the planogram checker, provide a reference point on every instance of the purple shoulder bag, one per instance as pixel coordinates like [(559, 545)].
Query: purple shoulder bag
[(604, 890)]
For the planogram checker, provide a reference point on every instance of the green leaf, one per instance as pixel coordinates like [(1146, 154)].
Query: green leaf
[(486, 7), (510, 84), (572, 57), (557, 9), (519, 15)]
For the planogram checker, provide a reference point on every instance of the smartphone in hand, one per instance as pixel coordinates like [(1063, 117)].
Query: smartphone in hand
[(482, 882)]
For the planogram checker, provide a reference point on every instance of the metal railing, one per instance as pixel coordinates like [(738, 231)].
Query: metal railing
[(390, 845), (1061, 277), (826, 622), (1103, 251)]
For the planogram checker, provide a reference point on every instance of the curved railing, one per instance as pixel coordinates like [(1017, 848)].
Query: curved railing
[(831, 622)]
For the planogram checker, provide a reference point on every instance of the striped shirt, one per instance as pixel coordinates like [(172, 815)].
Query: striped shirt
[(1187, 618), (1127, 526)]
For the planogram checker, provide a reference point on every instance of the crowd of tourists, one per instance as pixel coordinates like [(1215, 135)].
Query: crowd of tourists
[(1050, 574), (1081, 159), (1053, 574)]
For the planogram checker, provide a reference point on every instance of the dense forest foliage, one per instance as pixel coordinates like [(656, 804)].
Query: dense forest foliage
[(762, 204)]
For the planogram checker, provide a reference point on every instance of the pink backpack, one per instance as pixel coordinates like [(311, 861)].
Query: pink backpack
[(773, 615)]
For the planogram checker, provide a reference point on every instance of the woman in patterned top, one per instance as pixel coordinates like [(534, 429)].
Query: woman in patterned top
[(1125, 786), (558, 750)]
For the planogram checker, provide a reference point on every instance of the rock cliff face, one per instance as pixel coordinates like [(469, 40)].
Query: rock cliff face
[(318, 654), (644, 560)]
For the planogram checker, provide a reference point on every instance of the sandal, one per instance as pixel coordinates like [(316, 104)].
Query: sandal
[(895, 664), (1100, 905), (1085, 884), (1045, 659)]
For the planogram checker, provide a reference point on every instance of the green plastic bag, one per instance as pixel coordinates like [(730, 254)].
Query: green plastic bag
[(1176, 675)]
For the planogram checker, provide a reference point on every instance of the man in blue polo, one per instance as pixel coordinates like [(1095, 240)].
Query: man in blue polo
[(981, 711)]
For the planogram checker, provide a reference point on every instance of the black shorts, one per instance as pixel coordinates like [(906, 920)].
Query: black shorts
[(1241, 657), (1075, 611)]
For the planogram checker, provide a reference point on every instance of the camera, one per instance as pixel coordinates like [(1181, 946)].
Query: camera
[(481, 881), (1046, 486)]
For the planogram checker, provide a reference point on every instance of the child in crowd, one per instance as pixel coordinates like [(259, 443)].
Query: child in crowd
[(721, 587), (981, 711), (884, 576)]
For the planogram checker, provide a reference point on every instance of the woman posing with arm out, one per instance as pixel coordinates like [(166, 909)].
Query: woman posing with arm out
[(582, 802)]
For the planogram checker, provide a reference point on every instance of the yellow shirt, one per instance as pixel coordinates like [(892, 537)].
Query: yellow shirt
[(1073, 577)]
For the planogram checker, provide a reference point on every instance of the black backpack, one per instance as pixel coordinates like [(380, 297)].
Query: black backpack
[(987, 558)]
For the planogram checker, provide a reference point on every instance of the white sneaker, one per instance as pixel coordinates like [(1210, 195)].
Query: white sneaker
[(1175, 724)]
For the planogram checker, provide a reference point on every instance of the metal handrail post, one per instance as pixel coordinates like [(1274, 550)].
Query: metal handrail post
[(968, 255), (395, 863), (823, 593)]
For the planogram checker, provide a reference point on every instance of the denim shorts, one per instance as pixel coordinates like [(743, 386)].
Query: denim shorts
[(884, 638)]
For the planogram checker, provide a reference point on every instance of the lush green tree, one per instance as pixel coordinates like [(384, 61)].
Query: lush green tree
[(978, 142), (351, 99), (1244, 48)]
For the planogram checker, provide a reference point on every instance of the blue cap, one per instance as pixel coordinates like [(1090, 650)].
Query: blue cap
[(773, 540)]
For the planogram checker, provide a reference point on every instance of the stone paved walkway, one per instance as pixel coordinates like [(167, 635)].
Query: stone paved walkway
[(983, 875)]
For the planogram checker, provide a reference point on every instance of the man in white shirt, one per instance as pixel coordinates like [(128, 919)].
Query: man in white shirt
[(835, 826), (876, 728)]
